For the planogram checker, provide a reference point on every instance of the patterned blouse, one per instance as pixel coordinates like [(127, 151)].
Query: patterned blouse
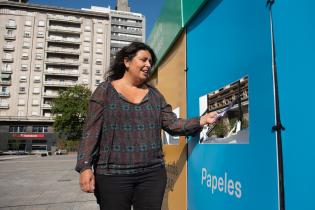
[(120, 137)]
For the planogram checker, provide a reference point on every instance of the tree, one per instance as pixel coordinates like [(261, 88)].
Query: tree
[(69, 111)]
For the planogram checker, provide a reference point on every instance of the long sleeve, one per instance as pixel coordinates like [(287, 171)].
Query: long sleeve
[(88, 148), (178, 126)]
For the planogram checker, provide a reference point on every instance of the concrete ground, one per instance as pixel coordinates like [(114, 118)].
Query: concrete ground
[(42, 183)]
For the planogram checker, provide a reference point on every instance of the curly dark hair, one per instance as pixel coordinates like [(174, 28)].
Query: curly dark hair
[(118, 68)]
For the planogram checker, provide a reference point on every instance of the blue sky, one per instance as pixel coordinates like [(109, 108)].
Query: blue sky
[(149, 8)]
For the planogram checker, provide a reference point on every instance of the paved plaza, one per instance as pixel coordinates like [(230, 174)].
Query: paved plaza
[(42, 183)]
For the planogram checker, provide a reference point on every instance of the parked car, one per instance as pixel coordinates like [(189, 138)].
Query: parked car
[(40, 150), (61, 152)]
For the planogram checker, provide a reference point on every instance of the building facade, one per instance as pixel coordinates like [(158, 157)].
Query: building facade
[(45, 49)]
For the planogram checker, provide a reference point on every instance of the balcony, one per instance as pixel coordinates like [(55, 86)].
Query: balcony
[(118, 45), (126, 31), (59, 84), (9, 37), (6, 70), (5, 82), (8, 47), (4, 106), (70, 30), (59, 61), (5, 94), (74, 73), (126, 23), (10, 26), (7, 59), (50, 95), (62, 18), (60, 50), (64, 40), (46, 106), (126, 38)]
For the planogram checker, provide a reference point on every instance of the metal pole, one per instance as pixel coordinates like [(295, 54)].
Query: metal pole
[(278, 127)]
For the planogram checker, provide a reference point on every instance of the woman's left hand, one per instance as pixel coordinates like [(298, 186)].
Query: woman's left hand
[(209, 118)]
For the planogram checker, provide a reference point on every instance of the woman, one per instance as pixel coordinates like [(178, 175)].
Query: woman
[(120, 154)]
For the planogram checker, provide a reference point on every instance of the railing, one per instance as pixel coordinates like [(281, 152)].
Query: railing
[(61, 39), (6, 59), (60, 72), (58, 83), (2, 82), (8, 47), (64, 18), (64, 61), (4, 105), (125, 38), (65, 29), (126, 23), (9, 36), (11, 26), (64, 50), (6, 94), (127, 31)]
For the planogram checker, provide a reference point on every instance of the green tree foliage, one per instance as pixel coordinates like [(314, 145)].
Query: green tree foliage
[(69, 111)]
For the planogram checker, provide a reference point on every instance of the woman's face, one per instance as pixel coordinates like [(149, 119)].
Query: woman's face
[(139, 66)]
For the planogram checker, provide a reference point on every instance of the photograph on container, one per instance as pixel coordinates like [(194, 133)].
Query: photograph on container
[(231, 103)]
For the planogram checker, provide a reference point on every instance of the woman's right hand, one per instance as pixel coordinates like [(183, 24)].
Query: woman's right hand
[(87, 181)]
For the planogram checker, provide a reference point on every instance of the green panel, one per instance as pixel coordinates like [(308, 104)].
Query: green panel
[(166, 28), (190, 7), (174, 16)]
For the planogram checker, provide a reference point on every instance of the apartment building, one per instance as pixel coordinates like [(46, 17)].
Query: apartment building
[(45, 49)]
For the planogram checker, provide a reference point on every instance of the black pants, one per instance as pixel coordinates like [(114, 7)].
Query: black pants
[(144, 191)]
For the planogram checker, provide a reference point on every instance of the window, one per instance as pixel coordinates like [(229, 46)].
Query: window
[(26, 45), (98, 51), (85, 81), (41, 23), (37, 67), (97, 82), (8, 56), (36, 90), (17, 129), (35, 102), (7, 67), (85, 60), (23, 79), (99, 41), (40, 34), (40, 129), (27, 34), (86, 49), (11, 23), (38, 56), (28, 23), (40, 45), (87, 28), (98, 61), (20, 113), (87, 39), (98, 71), (34, 113), (85, 71), (22, 90), (24, 56), (21, 102), (99, 30), (4, 89), (24, 67), (9, 32), (36, 79)]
